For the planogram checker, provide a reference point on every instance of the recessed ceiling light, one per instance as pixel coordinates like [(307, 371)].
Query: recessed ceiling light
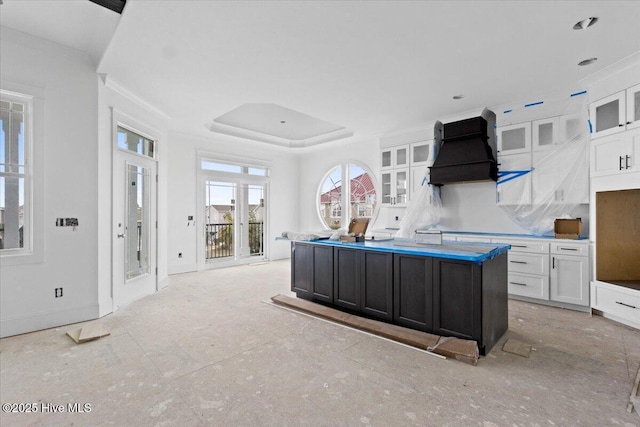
[(585, 23), (458, 96), (587, 61)]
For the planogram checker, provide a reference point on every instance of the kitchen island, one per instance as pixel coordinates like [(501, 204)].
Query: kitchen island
[(449, 289)]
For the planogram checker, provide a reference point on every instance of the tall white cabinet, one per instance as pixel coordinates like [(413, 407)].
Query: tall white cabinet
[(403, 170)]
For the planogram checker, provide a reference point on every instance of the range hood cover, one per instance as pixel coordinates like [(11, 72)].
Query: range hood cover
[(464, 154)]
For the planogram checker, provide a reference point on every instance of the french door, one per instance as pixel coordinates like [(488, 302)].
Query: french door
[(234, 221)]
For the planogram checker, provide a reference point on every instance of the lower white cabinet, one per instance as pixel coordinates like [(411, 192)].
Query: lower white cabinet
[(617, 302), (569, 279), (528, 285)]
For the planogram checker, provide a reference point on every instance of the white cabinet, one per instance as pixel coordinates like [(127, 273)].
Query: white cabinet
[(422, 153), (569, 279), (394, 157), (514, 139), (617, 302), (404, 169), (395, 187), (554, 270), (615, 113), (546, 133), (514, 186), (616, 154)]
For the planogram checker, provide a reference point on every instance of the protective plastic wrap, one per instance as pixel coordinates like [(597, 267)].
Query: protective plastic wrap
[(554, 180), (423, 211)]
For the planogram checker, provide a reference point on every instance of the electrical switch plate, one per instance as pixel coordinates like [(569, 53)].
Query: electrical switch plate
[(58, 292)]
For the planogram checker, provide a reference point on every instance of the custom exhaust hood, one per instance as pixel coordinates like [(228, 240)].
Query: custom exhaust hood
[(465, 153)]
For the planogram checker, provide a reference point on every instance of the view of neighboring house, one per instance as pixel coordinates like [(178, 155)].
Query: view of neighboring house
[(362, 199)]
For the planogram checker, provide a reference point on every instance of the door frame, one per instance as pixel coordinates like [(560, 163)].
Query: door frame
[(239, 179), (120, 119)]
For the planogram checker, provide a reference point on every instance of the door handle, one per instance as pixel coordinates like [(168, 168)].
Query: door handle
[(620, 164), (626, 161), (518, 262), (121, 235)]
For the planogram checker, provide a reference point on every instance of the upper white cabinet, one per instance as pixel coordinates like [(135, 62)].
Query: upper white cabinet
[(546, 133), (422, 153), (514, 139), (615, 113), (394, 157), (616, 154)]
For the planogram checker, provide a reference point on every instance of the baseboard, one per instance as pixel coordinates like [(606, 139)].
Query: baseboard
[(36, 322), (179, 269)]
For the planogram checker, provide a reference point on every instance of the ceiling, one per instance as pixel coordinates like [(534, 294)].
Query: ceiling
[(365, 67)]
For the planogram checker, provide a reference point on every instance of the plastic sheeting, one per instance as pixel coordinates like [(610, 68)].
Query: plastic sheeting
[(423, 212), (557, 179)]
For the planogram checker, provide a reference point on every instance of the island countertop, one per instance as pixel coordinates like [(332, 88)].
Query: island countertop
[(469, 251)]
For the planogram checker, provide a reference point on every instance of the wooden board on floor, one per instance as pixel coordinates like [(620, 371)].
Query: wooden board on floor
[(88, 333), (463, 350)]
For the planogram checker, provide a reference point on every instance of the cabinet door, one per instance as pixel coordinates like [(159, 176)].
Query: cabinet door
[(323, 273), (546, 133), (422, 153), (376, 286), (514, 139), (346, 278), (387, 189), (413, 292), (386, 158), (607, 115), (633, 107), (514, 185), (457, 298), (401, 186), (615, 154), (401, 156), (302, 269), (569, 279)]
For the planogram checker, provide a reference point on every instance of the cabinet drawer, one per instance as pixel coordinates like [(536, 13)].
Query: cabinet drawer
[(570, 249), (530, 246), (528, 263), (529, 286), (473, 239), (617, 301)]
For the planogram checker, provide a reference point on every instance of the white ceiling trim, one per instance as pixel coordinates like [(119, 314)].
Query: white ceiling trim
[(274, 140)]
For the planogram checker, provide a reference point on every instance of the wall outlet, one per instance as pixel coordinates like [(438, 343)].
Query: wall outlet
[(58, 292), (397, 218)]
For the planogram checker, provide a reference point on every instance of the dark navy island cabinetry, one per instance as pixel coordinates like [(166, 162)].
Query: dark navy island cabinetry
[(448, 290)]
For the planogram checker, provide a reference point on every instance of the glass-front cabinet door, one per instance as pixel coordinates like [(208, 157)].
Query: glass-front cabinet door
[(545, 133), (633, 107), (514, 139), (607, 115)]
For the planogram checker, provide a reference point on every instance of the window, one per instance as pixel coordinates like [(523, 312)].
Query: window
[(15, 145), (131, 141), (359, 195)]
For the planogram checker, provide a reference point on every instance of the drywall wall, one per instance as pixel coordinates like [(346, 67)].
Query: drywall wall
[(64, 83), (183, 187)]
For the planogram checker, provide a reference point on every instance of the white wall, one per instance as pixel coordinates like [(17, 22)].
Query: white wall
[(183, 187), (68, 146)]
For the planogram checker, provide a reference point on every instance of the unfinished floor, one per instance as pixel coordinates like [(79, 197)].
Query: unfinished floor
[(208, 351)]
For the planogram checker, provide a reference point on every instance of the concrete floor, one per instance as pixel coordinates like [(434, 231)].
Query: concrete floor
[(207, 351)]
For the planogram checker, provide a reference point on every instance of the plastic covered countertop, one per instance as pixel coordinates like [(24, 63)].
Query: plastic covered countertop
[(468, 251)]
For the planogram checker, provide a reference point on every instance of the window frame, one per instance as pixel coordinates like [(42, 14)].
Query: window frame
[(32, 250), (345, 195)]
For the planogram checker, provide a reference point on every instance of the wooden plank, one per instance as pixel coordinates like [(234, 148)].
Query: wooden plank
[(87, 333), (633, 399), (459, 349)]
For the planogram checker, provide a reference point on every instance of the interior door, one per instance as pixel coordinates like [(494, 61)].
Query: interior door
[(134, 228)]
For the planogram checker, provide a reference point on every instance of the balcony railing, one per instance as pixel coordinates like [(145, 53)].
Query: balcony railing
[(219, 240)]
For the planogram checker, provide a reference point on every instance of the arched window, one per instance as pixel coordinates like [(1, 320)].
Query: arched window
[(348, 184)]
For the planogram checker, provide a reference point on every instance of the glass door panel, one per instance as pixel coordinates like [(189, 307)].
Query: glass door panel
[(255, 231), (220, 217), (137, 221)]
